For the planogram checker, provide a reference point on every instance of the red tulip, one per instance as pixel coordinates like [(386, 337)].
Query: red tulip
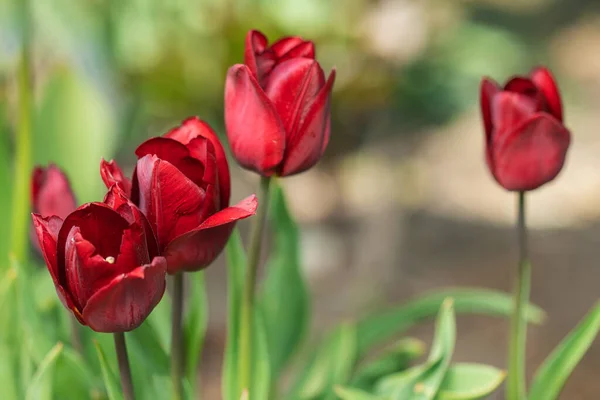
[(526, 141), (277, 106), (104, 262), (181, 183), (51, 192)]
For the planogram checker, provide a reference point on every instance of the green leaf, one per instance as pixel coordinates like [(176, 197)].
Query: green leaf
[(331, 366), (558, 366), (73, 378), (345, 393), (422, 382), (146, 352), (284, 298), (110, 380), (5, 182), (40, 387), (261, 371), (394, 360), (8, 378), (195, 324), (162, 388), (380, 327), (160, 321), (236, 262), (466, 381)]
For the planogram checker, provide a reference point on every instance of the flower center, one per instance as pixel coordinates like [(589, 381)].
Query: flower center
[(110, 260)]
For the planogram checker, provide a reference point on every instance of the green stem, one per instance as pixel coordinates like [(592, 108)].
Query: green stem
[(22, 170), (124, 369), (515, 382), (247, 312), (177, 356)]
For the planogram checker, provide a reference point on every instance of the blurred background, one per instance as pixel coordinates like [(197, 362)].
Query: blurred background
[(402, 201)]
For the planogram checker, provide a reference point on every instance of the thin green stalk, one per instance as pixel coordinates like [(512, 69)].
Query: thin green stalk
[(515, 381), (22, 168), (177, 356), (247, 312), (124, 369)]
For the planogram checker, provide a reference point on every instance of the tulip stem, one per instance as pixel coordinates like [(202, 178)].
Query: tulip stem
[(515, 382), (177, 336), (22, 170), (124, 369), (247, 312)]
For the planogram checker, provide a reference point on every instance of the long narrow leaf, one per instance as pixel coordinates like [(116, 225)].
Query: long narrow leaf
[(41, 383), (380, 327), (111, 384), (558, 366), (195, 325)]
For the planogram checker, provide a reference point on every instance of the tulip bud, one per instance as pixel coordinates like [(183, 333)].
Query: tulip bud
[(51, 192), (181, 182), (104, 261), (526, 140), (277, 106)]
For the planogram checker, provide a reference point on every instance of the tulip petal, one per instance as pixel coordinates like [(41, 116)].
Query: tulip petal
[(51, 192), (125, 302), (285, 45), (256, 43), (532, 154), (489, 88), (292, 86), (522, 85), (171, 202), (176, 154), (509, 110), (112, 174), (304, 49), (255, 132), (194, 127), (306, 147), (544, 81), (198, 248)]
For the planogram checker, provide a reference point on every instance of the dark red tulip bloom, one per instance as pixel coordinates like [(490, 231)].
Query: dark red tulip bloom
[(104, 261), (51, 192), (182, 184), (526, 140), (277, 106)]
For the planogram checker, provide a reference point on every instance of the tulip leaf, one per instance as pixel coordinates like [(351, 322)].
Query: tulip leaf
[(331, 366), (380, 327), (113, 390), (40, 387), (465, 381), (160, 320), (394, 360), (5, 182), (195, 324), (73, 379), (236, 261), (8, 377), (146, 352), (261, 369), (162, 388), (284, 298), (554, 372), (424, 381), (345, 393)]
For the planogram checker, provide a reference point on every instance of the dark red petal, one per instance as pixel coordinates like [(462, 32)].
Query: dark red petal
[(305, 148), (51, 192), (292, 86), (522, 85), (197, 249), (544, 81), (116, 199), (125, 302), (46, 229), (86, 270), (99, 224), (175, 153), (489, 88), (510, 110), (193, 128), (256, 43), (171, 202), (255, 132), (532, 154), (112, 174)]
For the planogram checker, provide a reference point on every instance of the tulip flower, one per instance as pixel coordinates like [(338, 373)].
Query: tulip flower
[(277, 106), (181, 182), (104, 261), (526, 140), (51, 192)]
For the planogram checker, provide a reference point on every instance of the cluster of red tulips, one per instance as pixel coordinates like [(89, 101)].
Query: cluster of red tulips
[(109, 260)]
